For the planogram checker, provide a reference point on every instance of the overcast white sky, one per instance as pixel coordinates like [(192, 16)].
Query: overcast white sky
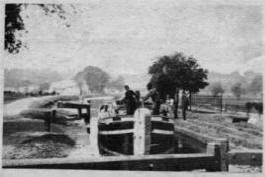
[(124, 36)]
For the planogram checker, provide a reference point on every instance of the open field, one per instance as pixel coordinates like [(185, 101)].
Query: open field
[(241, 135)]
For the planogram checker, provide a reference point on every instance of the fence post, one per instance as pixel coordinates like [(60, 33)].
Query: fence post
[(79, 113), (87, 119)]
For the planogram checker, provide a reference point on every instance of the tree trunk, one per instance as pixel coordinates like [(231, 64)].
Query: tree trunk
[(176, 103)]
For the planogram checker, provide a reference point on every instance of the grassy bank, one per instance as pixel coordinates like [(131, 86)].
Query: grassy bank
[(241, 135)]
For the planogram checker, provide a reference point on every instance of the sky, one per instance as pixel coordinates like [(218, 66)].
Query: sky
[(126, 37)]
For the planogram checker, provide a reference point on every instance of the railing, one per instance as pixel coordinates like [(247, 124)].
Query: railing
[(222, 103)]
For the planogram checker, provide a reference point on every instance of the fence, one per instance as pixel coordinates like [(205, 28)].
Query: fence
[(223, 103), (207, 101)]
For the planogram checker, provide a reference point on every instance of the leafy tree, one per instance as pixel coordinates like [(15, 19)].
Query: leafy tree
[(164, 84), (175, 72), (217, 89), (255, 86), (237, 90), (95, 78), (14, 22), (194, 78)]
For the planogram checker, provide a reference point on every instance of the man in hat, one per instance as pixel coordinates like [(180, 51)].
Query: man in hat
[(129, 100), (154, 95), (184, 104)]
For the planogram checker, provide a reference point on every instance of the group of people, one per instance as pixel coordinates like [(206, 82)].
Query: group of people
[(132, 101)]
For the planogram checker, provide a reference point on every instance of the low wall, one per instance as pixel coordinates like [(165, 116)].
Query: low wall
[(171, 162), (213, 158), (205, 144)]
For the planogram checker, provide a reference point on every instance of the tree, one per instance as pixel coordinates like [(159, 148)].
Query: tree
[(95, 78), (237, 90), (14, 22), (175, 72), (194, 78), (255, 86), (13, 77), (217, 88)]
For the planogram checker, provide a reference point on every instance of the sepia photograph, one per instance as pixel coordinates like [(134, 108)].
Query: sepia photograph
[(133, 85)]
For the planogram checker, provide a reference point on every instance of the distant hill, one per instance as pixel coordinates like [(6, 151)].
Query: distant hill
[(15, 78)]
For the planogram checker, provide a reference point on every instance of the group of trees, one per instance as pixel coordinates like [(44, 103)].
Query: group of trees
[(97, 80), (94, 77), (176, 72), (217, 89), (251, 87), (17, 78)]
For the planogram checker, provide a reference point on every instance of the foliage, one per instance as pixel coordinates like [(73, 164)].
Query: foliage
[(237, 90), (257, 106), (251, 82), (217, 88), (255, 86), (95, 78), (164, 85), (14, 22), (195, 76), (177, 71), (16, 78)]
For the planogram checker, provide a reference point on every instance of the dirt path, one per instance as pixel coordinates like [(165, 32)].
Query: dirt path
[(16, 107)]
